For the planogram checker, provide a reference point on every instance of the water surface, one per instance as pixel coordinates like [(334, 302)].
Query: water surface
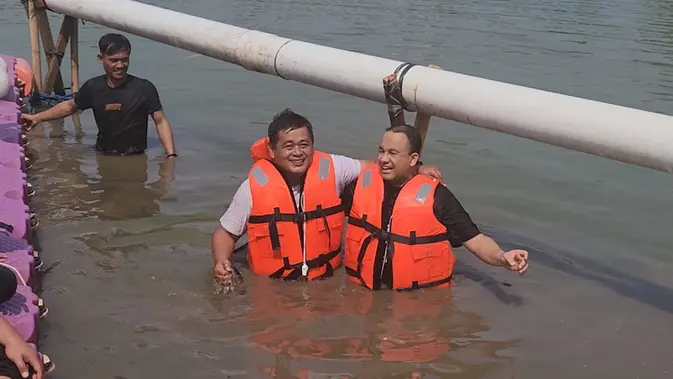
[(128, 238)]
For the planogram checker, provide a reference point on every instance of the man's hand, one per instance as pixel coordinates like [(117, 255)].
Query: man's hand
[(30, 121), (222, 270), (516, 260), (431, 171), (20, 353)]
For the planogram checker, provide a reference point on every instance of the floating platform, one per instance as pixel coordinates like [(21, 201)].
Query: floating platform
[(25, 309)]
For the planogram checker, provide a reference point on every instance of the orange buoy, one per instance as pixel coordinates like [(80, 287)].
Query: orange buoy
[(25, 75)]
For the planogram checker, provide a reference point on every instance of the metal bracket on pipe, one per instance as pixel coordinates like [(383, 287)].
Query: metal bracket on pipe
[(392, 88)]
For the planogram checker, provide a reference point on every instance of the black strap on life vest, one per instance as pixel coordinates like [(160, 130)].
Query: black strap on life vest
[(415, 285), (296, 217), (321, 260), (384, 236)]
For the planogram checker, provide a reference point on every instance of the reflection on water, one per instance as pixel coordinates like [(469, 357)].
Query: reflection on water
[(334, 329), (129, 291), (116, 189), (120, 191)]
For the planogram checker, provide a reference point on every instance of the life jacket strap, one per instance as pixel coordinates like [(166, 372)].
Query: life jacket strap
[(319, 261), (416, 286), (384, 236), (297, 218), (392, 237)]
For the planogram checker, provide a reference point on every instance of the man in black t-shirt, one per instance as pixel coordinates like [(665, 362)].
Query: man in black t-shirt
[(398, 161), (120, 102)]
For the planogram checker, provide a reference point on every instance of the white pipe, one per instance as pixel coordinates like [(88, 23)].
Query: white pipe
[(619, 133)]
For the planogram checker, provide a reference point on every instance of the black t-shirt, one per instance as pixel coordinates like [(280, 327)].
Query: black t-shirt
[(121, 113), (447, 209)]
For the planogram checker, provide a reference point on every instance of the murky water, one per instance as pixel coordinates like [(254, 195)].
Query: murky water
[(127, 239)]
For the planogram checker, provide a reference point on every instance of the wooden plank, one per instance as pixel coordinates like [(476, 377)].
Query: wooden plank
[(48, 44), (35, 45), (422, 122), (74, 57), (55, 60)]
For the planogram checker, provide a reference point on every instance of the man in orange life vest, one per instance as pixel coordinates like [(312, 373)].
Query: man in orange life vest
[(290, 205), (402, 225)]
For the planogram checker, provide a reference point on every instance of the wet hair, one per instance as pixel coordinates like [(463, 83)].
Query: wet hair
[(113, 43), (412, 134), (288, 120)]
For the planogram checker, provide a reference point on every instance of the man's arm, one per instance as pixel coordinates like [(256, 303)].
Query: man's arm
[(164, 131), (463, 231), (155, 109), (81, 100), (222, 244), (18, 351), (60, 110), (347, 170), (365, 163), (231, 227)]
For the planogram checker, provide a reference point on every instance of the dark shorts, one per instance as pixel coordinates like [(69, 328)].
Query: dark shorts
[(8, 368)]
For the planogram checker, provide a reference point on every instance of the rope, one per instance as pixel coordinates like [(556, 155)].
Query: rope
[(39, 100)]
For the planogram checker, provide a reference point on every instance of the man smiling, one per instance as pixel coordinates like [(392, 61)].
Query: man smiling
[(120, 102), (290, 206)]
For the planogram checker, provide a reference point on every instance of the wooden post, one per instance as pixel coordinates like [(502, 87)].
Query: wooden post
[(55, 60), (48, 45), (35, 45), (74, 71), (422, 122), (74, 56)]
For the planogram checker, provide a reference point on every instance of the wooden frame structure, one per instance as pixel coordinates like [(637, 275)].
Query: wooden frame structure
[(54, 50)]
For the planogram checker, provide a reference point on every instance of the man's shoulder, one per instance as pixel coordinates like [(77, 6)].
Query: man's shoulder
[(442, 191), (243, 189), (96, 82), (137, 81)]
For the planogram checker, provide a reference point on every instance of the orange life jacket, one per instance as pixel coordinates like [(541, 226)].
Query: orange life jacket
[(275, 242), (260, 150), (417, 242)]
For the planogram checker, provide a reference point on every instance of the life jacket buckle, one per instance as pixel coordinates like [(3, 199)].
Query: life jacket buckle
[(301, 217), (382, 235)]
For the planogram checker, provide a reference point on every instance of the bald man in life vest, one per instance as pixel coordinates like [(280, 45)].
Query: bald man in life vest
[(402, 226), (290, 206)]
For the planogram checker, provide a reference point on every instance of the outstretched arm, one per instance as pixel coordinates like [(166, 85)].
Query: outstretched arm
[(60, 110), (486, 249), (462, 231)]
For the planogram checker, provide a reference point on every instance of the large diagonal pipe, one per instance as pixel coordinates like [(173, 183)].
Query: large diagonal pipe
[(615, 132)]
